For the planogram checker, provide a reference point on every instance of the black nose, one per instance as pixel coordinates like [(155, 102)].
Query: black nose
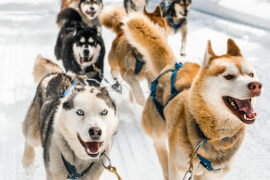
[(186, 12), (86, 52), (95, 132), (92, 9)]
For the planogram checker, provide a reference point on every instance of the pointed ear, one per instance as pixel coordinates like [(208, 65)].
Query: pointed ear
[(157, 11), (232, 48), (144, 10), (209, 53)]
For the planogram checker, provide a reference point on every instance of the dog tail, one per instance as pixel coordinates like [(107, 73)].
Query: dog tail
[(43, 67), (111, 18), (67, 15), (149, 40)]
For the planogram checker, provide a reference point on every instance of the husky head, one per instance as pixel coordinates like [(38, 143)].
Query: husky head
[(87, 46), (90, 8), (224, 91), (179, 8), (87, 120)]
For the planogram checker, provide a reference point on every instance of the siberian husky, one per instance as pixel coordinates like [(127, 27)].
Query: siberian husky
[(212, 106), (123, 58), (89, 11), (74, 123), (176, 13)]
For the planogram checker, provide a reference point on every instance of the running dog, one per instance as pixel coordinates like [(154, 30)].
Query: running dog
[(202, 111), (123, 58), (135, 5), (175, 12), (88, 10), (74, 123), (82, 51)]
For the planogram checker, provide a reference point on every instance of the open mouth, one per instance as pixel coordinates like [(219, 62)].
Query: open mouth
[(241, 108), (91, 148), (90, 13), (85, 59)]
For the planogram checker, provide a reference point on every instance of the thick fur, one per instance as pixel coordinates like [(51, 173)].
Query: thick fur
[(67, 3), (199, 104), (71, 46), (176, 12), (123, 57), (135, 5), (88, 12), (52, 120)]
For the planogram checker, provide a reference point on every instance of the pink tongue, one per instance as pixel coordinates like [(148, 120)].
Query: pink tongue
[(249, 112), (81, 60), (93, 146)]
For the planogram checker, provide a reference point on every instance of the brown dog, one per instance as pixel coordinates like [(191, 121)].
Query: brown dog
[(68, 3), (213, 105), (123, 58)]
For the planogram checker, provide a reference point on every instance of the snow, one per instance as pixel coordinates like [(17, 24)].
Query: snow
[(28, 28)]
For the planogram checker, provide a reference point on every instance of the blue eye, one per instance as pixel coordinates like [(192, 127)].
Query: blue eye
[(80, 112), (104, 112)]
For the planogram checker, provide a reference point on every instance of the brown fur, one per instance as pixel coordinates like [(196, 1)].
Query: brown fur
[(43, 67), (187, 111), (121, 58), (66, 3)]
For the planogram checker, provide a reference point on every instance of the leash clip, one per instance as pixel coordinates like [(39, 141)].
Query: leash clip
[(109, 168), (188, 175)]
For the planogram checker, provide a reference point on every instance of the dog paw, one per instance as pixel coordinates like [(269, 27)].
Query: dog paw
[(26, 162)]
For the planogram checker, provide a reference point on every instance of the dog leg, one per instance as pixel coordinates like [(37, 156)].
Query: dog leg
[(136, 88), (28, 155), (174, 173), (184, 40), (161, 150)]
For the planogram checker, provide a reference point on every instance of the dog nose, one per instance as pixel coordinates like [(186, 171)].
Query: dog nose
[(86, 52), (92, 9), (255, 88), (95, 132), (186, 12)]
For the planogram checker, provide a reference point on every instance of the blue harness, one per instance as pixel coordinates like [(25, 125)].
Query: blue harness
[(159, 106), (175, 26), (73, 171), (69, 89)]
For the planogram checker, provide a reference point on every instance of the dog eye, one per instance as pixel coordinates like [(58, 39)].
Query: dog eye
[(229, 77), (104, 112), (80, 112), (251, 74)]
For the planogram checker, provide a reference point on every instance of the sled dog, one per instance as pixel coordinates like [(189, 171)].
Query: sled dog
[(74, 123), (176, 14), (135, 5), (123, 58), (193, 107)]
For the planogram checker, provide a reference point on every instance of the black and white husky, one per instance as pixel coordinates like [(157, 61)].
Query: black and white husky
[(135, 5), (89, 11), (74, 123), (176, 12), (81, 50)]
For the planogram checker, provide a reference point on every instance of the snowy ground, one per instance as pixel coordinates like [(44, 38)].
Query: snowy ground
[(28, 28)]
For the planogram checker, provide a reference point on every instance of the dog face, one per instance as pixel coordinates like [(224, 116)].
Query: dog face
[(91, 8), (181, 8), (88, 121), (87, 45), (230, 85)]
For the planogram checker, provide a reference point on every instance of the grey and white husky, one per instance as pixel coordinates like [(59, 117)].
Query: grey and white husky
[(74, 123)]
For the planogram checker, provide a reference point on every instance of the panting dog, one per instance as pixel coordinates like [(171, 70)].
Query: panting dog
[(202, 111), (74, 122)]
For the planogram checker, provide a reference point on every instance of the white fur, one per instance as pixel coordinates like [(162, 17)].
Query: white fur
[(68, 123), (86, 6)]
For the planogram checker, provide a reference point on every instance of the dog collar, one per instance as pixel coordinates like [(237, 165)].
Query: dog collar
[(73, 174), (175, 26), (69, 89)]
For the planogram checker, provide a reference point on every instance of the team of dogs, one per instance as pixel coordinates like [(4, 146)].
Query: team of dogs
[(200, 110)]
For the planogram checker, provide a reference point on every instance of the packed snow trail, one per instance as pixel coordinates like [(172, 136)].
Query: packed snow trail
[(28, 29)]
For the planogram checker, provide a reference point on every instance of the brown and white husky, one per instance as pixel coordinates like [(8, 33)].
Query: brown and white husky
[(215, 102)]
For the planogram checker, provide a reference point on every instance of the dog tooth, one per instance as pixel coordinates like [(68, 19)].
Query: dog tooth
[(245, 116)]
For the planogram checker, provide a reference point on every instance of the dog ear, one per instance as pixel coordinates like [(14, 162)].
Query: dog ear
[(157, 12), (144, 10), (232, 48), (209, 54), (78, 28)]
